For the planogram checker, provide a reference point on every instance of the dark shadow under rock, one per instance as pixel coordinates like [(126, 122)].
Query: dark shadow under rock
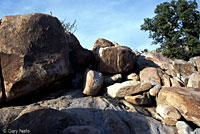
[(109, 121)]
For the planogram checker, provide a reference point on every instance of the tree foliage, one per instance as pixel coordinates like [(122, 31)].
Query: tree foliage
[(176, 27)]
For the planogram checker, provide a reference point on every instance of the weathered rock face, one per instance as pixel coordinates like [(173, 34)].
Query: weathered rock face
[(80, 58), (33, 52), (172, 67), (194, 80), (185, 100), (93, 82), (127, 88), (115, 60)]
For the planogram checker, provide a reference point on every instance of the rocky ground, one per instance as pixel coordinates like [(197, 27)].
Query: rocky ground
[(50, 84)]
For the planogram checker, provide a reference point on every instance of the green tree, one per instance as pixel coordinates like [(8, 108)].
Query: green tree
[(176, 27)]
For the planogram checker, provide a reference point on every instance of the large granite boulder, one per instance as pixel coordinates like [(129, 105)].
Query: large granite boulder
[(80, 57), (33, 52), (116, 59), (185, 100)]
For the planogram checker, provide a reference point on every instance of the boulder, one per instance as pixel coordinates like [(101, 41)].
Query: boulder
[(114, 60), (169, 114), (133, 76), (119, 90), (93, 82), (155, 90), (80, 57), (183, 128), (185, 100), (137, 99), (152, 59), (103, 43), (111, 79), (196, 62), (182, 68), (172, 67), (194, 80), (150, 74), (33, 52)]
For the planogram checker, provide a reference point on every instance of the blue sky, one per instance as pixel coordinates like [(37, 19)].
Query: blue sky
[(115, 20)]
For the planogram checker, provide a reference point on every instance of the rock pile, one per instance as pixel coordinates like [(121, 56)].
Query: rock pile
[(108, 90)]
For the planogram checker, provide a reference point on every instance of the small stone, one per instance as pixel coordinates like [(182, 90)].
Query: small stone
[(109, 80), (133, 76), (155, 90), (137, 100), (93, 82)]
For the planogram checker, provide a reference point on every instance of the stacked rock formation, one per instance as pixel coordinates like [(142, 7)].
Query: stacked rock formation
[(108, 90)]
